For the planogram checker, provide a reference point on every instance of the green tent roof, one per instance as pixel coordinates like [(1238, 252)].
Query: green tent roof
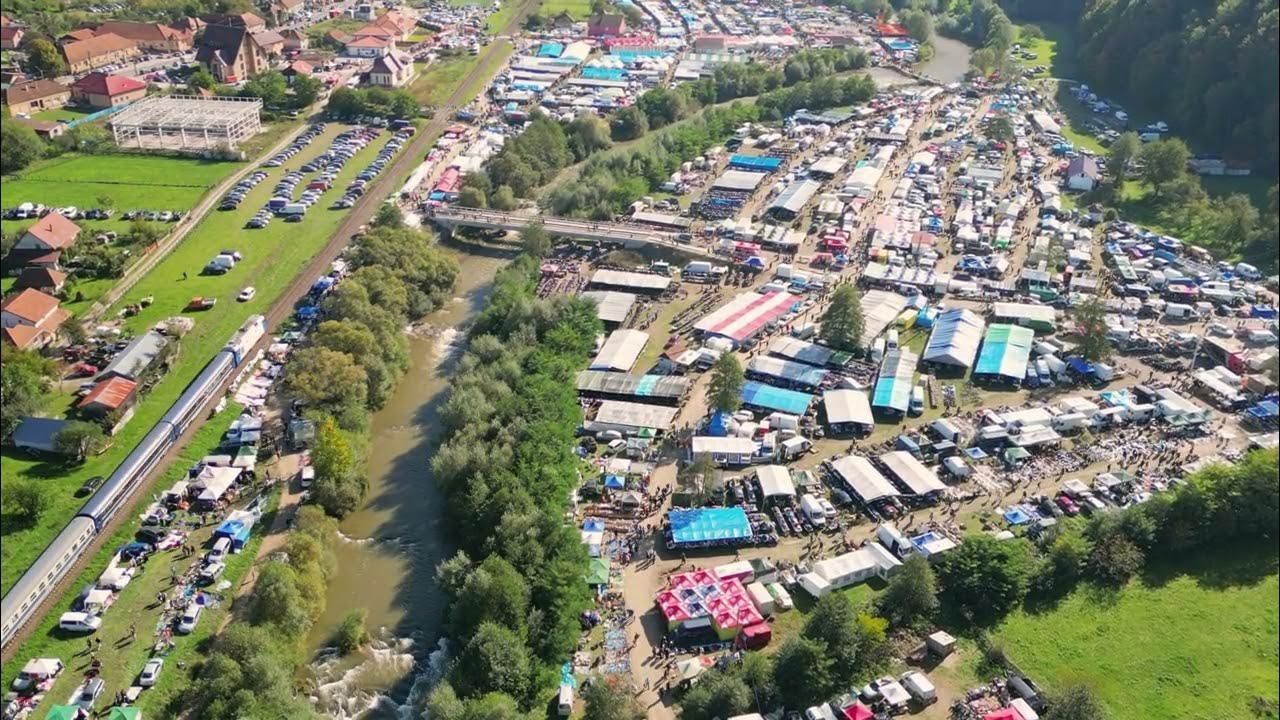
[(125, 713), (63, 712), (598, 571)]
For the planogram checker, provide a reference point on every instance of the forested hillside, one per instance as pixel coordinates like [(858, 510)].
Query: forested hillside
[(1210, 69)]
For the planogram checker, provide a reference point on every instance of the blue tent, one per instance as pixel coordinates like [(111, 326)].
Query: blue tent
[(718, 425), (308, 312), (1016, 516), (768, 397), (708, 524), (1262, 311), (235, 530), (1080, 366), (976, 453), (593, 525), (1265, 410), (615, 482)]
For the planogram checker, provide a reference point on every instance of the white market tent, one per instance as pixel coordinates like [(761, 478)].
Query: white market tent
[(956, 335), (630, 415), (620, 351), (847, 406), (879, 309), (912, 473), (214, 481), (611, 306), (863, 477), (775, 480), (639, 281)]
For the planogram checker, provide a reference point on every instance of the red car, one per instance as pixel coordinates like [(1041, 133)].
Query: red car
[(84, 370), (1068, 505)]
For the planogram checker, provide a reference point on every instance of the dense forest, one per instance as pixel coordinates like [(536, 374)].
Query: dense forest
[(1212, 70)]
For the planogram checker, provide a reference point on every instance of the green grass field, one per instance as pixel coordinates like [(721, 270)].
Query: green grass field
[(578, 9), (438, 80), (1195, 641), (122, 660), (65, 113), (273, 257), (1254, 186)]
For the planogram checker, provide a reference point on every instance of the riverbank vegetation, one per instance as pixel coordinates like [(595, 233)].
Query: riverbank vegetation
[(507, 469), (358, 354), (250, 667)]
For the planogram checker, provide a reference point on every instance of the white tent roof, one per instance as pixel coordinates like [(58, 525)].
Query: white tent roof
[(775, 480), (956, 335), (912, 473), (879, 309), (864, 478), (611, 306), (723, 445), (42, 667), (620, 351), (621, 278), (214, 481), (636, 415), (848, 406)]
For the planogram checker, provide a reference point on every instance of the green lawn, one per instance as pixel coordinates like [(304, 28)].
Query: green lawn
[(65, 113), (273, 257), (122, 660), (438, 80), (1255, 186), (1195, 641), (498, 20), (579, 9), (1056, 50), (341, 24)]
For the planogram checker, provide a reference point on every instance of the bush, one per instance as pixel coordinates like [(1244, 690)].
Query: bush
[(351, 633)]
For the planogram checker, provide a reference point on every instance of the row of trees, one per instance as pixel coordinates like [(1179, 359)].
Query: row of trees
[(984, 579), (249, 670), (506, 468), (1228, 226), (276, 92), (359, 352), (982, 24), (347, 103), (20, 146)]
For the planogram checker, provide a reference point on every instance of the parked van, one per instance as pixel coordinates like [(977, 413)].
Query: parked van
[(220, 549), (564, 701), (306, 476), (293, 209), (813, 510), (877, 350), (917, 401), (79, 622), (920, 687)]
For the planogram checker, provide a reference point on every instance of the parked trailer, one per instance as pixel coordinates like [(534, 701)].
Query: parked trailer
[(42, 577)]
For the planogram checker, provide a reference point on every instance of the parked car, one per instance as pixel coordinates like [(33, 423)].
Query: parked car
[(151, 672), (89, 692), (247, 294), (190, 616), (79, 622)]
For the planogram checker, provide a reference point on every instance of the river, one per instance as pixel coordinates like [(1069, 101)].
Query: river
[(389, 548), (949, 64)]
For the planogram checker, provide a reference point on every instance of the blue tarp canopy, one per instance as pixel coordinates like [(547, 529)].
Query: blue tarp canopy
[(1016, 516), (593, 525), (615, 482), (308, 312), (1265, 409), (718, 426), (236, 530), (1080, 365), (976, 453), (1262, 311), (551, 50), (768, 397), (709, 524), (322, 284), (755, 163)]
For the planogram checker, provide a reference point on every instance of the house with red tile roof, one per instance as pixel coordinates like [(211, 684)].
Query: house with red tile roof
[(94, 52), (150, 36), (42, 244), (46, 280), (30, 319), (100, 90), (108, 396), (11, 37)]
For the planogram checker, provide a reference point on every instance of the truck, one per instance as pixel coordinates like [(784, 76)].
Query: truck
[(813, 510), (292, 209)]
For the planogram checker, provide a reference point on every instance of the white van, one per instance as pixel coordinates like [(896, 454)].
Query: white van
[(921, 689), (564, 701), (917, 401), (190, 617), (79, 622), (813, 510), (220, 550), (307, 475)]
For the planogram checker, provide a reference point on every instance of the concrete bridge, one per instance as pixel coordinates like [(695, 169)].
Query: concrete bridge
[(629, 236)]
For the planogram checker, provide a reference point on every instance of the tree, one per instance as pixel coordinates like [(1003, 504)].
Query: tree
[(716, 695), (1091, 326), (1115, 559), (306, 90), (1030, 32), (201, 79), (1074, 702), (984, 60), (504, 198), (834, 623), (326, 380), (606, 699), (1063, 565), (727, 379), (388, 216), (587, 134), (493, 592), (1163, 162), (339, 485), (19, 147), (842, 324), (473, 197), (24, 380), (270, 86), (44, 59), (24, 498), (1001, 129), (145, 234), (79, 439), (351, 632), (919, 23), (911, 599), (802, 673), (629, 123), (985, 578), (535, 240), (493, 660), (1123, 150)]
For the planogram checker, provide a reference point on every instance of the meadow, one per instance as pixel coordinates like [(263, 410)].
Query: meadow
[(273, 256)]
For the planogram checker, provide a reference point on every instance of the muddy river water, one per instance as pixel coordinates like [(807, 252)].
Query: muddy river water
[(388, 550)]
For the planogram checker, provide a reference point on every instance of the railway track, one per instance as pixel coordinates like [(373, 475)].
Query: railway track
[(360, 215)]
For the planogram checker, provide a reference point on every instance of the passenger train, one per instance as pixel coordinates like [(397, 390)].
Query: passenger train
[(22, 600)]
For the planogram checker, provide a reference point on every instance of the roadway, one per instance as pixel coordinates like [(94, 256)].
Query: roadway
[(360, 214)]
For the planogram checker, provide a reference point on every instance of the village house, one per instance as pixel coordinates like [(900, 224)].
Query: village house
[(11, 37), (32, 96), (46, 280), (294, 40), (30, 319), (247, 20), (296, 68), (283, 11), (607, 25), (150, 36), (231, 54), (100, 90), (391, 70), (369, 46), (42, 244), (45, 129), (97, 51), (113, 395), (1083, 174)]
